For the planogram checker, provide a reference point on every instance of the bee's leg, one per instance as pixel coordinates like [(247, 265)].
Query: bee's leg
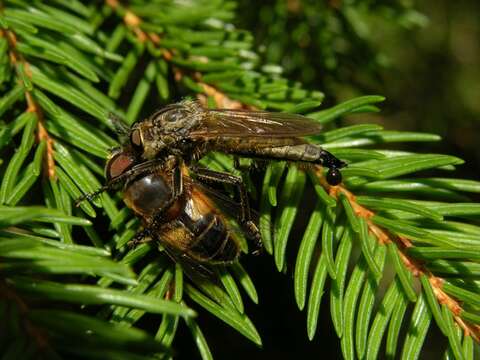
[(306, 153), (245, 217), (144, 167), (143, 236)]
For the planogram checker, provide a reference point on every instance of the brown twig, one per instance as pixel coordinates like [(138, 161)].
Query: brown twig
[(221, 100), (18, 60), (132, 21), (415, 267)]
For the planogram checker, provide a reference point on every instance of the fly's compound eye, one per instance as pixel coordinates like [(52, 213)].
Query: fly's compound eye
[(334, 176), (136, 139), (117, 165)]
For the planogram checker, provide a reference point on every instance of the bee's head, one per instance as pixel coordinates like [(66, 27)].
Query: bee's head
[(119, 161)]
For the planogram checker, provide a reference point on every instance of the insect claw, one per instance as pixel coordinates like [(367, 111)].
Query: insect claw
[(139, 238), (79, 200), (254, 234)]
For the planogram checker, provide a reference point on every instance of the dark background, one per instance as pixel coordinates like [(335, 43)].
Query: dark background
[(429, 71)]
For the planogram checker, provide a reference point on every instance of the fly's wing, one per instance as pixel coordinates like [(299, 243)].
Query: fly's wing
[(254, 124)]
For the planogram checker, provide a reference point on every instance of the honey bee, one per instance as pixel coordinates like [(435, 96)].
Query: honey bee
[(180, 212), (189, 131)]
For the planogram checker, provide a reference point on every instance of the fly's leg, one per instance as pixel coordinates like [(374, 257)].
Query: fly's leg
[(307, 153), (245, 217), (246, 170)]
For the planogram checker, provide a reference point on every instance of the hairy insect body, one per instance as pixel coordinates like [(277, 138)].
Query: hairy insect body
[(189, 131), (160, 134), (190, 226)]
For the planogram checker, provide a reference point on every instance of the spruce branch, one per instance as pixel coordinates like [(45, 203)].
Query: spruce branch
[(144, 54), (401, 245)]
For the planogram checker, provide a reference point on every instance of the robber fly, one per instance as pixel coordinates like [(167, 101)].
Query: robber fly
[(154, 162), (189, 131), (179, 211)]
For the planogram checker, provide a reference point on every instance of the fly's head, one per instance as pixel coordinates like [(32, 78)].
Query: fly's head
[(146, 141), (165, 130), (178, 120)]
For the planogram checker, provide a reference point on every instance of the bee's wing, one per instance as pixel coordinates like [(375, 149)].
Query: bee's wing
[(196, 271), (191, 267), (226, 205), (260, 124)]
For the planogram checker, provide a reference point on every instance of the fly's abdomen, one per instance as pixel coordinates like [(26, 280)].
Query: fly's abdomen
[(213, 241)]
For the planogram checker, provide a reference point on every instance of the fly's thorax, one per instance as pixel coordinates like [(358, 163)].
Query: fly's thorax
[(166, 130), (178, 119)]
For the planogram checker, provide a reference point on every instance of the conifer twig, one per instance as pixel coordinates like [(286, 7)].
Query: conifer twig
[(17, 60), (132, 21), (414, 266)]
